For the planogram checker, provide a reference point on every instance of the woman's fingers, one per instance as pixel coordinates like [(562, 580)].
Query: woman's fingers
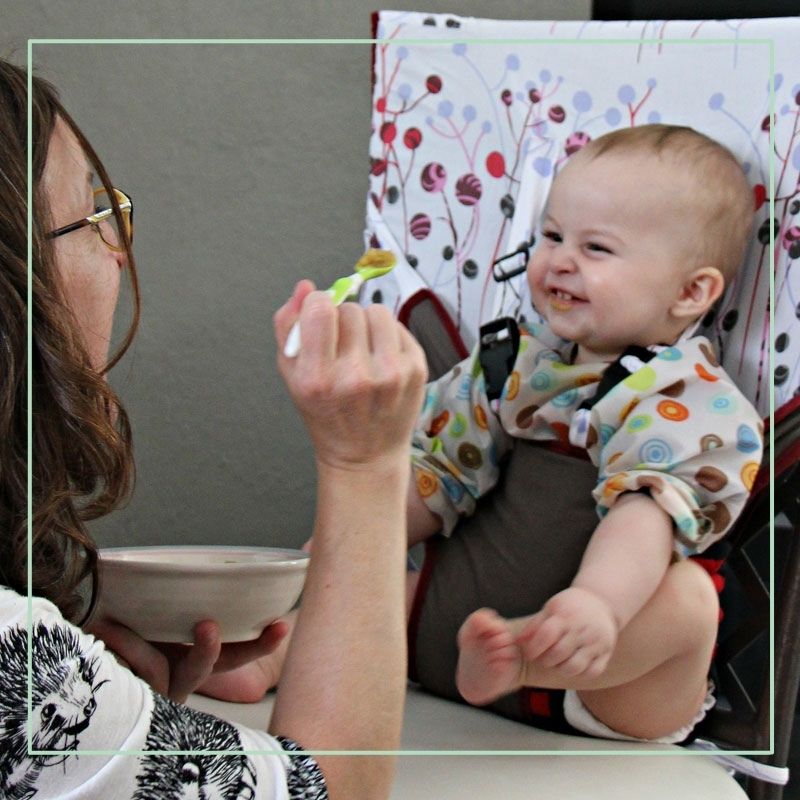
[(196, 663), (288, 313), (176, 670), (353, 330), (142, 658), (385, 333), (355, 372), (319, 327), (236, 654)]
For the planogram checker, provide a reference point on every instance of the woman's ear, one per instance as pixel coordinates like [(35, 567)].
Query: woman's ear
[(698, 293)]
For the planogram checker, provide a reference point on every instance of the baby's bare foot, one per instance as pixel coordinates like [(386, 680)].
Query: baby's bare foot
[(573, 635), (489, 662)]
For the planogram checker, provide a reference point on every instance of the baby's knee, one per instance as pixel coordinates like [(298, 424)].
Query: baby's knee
[(691, 594)]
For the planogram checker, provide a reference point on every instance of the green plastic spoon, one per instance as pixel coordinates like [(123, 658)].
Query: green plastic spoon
[(372, 264)]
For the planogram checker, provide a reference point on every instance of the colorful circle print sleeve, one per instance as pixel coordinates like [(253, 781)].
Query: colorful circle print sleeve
[(680, 428), (674, 425)]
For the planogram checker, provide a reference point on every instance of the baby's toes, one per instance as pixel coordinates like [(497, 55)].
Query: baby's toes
[(480, 626)]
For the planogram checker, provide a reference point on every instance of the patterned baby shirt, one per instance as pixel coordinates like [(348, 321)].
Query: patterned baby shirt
[(676, 426)]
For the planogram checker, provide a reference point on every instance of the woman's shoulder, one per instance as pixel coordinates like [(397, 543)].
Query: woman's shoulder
[(14, 608), (83, 701)]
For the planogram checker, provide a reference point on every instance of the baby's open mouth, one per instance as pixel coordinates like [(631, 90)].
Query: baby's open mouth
[(562, 301)]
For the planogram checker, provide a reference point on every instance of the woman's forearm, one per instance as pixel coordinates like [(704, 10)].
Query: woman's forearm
[(358, 383), (344, 679)]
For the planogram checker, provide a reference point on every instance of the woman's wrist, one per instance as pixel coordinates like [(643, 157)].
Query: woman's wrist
[(384, 473)]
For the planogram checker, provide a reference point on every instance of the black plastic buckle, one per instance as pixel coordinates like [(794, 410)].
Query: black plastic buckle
[(502, 273), (499, 343)]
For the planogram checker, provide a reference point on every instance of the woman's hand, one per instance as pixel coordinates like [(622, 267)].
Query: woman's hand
[(177, 670), (358, 383), (357, 380)]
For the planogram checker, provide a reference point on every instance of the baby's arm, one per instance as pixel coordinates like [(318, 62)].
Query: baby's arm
[(422, 522), (457, 444), (576, 630), (627, 555)]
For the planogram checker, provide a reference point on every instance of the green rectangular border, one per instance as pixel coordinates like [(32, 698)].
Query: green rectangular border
[(372, 42)]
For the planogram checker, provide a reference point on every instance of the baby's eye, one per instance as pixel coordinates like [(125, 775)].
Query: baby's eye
[(553, 236), (597, 248)]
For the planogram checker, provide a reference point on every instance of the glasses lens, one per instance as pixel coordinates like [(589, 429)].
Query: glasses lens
[(108, 227)]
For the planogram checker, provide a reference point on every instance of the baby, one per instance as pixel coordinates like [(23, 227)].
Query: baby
[(642, 229)]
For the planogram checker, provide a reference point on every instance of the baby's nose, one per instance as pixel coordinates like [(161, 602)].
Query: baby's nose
[(564, 260)]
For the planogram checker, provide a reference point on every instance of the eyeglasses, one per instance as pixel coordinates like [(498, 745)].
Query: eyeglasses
[(104, 221)]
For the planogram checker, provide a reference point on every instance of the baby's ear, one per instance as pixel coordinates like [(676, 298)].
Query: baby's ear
[(698, 293)]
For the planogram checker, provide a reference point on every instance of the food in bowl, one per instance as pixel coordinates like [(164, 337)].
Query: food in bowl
[(162, 592)]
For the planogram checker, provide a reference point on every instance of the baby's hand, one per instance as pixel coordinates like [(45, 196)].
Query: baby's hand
[(575, 633)]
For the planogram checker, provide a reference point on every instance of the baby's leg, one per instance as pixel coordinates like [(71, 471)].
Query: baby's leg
[(656, 678), (677, 628), (489, 660)]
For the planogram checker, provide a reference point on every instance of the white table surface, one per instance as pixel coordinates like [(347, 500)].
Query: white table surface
[(435, 724)]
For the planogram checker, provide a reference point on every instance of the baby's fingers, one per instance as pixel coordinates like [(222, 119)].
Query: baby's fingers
[(539, 635), (562, 651), (577, 663), (596, 666), (585, 664)]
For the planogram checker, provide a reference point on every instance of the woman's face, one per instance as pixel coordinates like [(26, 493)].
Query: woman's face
[(90, 272)]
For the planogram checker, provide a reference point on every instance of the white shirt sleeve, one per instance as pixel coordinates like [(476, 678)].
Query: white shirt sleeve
[(97, 729)]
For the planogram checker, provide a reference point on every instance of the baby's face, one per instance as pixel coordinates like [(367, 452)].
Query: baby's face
[(613, 256)]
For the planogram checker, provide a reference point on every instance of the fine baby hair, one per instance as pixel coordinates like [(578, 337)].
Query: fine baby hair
[(711, 180)]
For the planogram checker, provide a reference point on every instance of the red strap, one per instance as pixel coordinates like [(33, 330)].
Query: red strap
[(426, 295), (539, 702)]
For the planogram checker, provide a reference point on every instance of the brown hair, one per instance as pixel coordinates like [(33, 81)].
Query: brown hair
[(720, 193), (81, 458)]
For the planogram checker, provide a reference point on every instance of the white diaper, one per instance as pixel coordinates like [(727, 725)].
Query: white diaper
[(581, 718)]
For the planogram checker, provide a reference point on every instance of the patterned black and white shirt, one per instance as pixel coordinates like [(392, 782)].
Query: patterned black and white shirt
[(84, 701)]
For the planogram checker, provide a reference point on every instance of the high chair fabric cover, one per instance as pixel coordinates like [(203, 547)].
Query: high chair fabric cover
[(473, 118)]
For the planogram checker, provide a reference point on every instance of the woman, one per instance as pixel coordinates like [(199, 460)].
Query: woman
[(344, 679)]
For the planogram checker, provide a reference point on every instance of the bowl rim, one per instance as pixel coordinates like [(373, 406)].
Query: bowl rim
[(293, 558)]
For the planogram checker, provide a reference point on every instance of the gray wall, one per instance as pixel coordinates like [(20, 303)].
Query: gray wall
[(247, 165)]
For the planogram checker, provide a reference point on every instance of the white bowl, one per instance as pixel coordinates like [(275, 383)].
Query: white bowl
[(162, 592)]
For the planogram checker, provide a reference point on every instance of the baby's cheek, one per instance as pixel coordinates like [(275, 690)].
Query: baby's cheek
[(535, 278), (538, 297)]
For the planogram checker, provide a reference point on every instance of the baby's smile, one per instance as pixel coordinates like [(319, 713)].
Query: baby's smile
[(562, 301)]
